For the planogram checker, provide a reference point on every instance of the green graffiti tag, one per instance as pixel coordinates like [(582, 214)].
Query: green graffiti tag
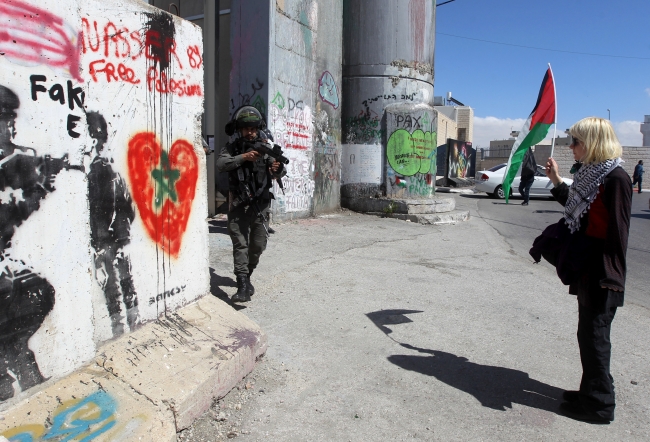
[(278, 100), (409, 154), (259, 104)]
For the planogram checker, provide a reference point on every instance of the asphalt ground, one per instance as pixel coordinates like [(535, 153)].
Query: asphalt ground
[(381, 329), (517, 225)]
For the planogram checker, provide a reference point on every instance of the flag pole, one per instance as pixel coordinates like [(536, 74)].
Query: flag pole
[(555, 97)]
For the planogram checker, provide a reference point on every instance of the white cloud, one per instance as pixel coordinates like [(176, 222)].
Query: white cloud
[(487, 129), (648, 91), (629, 133)]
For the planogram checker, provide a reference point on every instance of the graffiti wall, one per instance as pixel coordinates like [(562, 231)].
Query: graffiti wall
[(293, 75), (410, 151), (305, 103), (461, 159), (102, 201)]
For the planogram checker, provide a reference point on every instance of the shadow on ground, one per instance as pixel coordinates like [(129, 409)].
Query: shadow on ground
[(475, 196), (216, 282), (494, 387), (218, 226)]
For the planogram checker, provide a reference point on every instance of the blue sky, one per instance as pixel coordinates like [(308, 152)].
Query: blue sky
[(501, 82)]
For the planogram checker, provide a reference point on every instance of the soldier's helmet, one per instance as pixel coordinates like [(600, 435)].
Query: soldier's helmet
[(9, 102), (248, 116)]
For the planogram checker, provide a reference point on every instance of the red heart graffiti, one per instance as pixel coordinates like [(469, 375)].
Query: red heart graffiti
[(163, 186)]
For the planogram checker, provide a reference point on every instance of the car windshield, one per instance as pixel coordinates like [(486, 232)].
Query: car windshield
[(495, 168)]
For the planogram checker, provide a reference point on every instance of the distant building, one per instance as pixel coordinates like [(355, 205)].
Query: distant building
[(645, 130), (456, 122)]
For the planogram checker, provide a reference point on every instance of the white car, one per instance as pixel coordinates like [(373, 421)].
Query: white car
[(489, 181)]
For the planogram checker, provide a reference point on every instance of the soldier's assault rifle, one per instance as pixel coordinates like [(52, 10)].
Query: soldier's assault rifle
[(263, 148), (274, 152)]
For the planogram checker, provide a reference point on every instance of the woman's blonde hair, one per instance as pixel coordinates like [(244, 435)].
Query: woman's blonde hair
[(599, 138)]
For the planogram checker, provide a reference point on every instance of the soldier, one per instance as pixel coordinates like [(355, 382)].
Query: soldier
[(250, 177)]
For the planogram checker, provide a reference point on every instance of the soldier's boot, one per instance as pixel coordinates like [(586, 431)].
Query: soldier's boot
[(251, 289), (242, 289)]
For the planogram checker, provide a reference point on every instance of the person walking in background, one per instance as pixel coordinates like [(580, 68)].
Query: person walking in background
[(528, 169), (637, 178), (597, 210)]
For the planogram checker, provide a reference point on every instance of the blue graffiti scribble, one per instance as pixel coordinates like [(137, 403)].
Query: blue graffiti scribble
[(22, 437), (64, 424), (73, 422), (328, 90)]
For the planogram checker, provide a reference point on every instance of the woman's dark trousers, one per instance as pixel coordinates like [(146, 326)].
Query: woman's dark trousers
[(597, 385)]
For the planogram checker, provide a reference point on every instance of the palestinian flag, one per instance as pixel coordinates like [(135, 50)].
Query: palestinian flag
[(535, 130)]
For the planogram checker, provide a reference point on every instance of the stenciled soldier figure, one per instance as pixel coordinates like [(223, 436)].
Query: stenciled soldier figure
[(26, 297), (250, 176)]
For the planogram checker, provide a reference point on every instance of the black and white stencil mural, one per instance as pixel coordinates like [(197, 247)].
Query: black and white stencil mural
[(102, 189), (111, 215), (25, 296)]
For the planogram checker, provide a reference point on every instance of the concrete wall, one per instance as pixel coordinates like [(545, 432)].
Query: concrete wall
[(286, 61), (102, 176), (631, 156), (410, 150), (388, 60)]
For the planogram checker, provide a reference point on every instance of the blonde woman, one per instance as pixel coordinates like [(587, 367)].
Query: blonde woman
[(596, 206)]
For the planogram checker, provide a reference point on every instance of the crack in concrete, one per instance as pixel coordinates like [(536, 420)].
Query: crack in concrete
[(280, 276), (511, 249)]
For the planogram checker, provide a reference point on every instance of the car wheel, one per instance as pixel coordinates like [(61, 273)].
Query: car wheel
[(499, 193)]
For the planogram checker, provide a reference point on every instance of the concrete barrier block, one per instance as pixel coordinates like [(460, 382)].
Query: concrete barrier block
[(147, 385), (91, 404), (186, 359)]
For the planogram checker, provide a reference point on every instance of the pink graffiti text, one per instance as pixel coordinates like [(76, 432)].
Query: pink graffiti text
[(33, 36)]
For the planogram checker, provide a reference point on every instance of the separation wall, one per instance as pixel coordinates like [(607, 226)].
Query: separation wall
[(631, 156), (304, 104), (102, 178), (286, 61)]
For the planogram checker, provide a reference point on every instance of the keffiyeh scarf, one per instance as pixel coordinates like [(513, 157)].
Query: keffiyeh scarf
[(584, 190)]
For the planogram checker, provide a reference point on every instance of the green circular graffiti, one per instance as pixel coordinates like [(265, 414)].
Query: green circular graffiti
[(401, 153)]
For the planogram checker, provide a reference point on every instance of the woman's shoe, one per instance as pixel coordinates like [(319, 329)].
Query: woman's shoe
[(575, 411)]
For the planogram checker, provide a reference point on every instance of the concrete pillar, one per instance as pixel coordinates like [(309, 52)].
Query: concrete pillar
[(388, 60)]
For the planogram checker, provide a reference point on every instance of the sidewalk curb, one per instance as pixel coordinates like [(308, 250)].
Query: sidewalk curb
[(149, 384), (455, 190), (452, 217)]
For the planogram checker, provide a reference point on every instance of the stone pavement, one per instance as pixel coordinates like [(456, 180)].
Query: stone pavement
[(146, 385)]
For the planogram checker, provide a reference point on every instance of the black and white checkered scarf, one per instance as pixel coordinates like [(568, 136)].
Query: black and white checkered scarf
[(584, 190)]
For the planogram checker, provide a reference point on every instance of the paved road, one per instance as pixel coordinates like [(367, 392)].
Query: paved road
[(519, 225), (381, 329)]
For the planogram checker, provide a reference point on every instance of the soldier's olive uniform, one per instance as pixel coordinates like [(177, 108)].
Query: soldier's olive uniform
[(246, 228)]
